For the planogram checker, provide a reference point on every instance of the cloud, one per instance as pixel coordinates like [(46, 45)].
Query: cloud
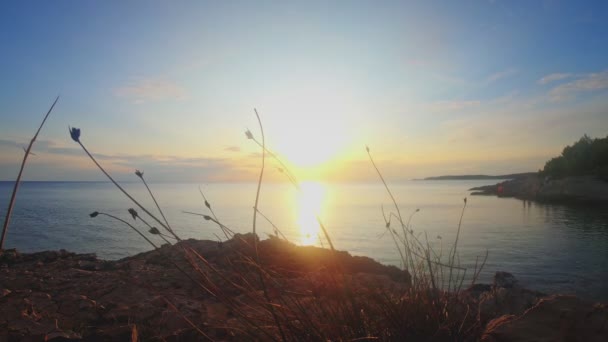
[(233, 149), (520, 129), (502, 74), (554, 77), (55, 162), (584, 83), (453, 105), (10, 143), (151, 90)]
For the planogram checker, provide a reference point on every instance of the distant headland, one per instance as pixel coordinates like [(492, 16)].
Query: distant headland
[(481, 177), (579, 174)]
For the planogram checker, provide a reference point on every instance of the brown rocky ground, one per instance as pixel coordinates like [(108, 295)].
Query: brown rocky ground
[(62, 296)]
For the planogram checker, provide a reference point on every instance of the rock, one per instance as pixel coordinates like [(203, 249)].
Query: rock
[(506, 297), (116, 333), (104, 300), (476, 290), (574, 189), (556, 318), (570, 189), (505, 279), (9, 256)]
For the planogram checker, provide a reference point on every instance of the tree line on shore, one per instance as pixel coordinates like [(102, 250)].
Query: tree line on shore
[(585, 157)]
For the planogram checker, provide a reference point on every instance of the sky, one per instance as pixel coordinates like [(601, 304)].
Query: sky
[(167, 87)]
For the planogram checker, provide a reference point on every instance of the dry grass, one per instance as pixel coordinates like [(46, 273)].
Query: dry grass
[(28, 151), (268, 306)]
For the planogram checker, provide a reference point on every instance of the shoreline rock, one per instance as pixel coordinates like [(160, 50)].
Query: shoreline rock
[(584, 189), (58, 294), (63, 296)]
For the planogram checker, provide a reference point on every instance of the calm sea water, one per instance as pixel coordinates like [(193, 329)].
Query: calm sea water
[(551, 248)]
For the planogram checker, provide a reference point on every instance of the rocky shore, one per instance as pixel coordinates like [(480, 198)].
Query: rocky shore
[(584, 189), (62, 296)]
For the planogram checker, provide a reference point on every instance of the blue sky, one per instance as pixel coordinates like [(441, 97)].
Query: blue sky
[(434, 87)]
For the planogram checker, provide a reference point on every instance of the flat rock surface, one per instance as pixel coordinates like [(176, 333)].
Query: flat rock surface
[(64, 296), (165, 294)]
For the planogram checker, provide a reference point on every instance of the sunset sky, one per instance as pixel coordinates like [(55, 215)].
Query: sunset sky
[(433, 87)]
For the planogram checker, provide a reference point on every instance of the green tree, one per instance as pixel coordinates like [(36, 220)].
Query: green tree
[(587, 156)]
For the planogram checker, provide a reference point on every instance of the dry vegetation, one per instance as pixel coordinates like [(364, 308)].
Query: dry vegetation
[(422, 301), (428, 305)]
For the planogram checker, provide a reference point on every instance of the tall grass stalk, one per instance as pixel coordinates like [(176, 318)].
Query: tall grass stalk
[(153, 230), (417, 311), (95, 213), (255, 238), (455, 247), (140, 174), (407, 258), (75, 134), (28, 151)]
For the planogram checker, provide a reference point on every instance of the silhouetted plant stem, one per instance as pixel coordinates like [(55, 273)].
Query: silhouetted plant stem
[(141, 176), (225, 229), (136, 216), (456, 243), (478, 270), (428, 260), (278, 231), (404, 260), (255, 237), (11, 203), (283, 168), (130, 225), (75, 137), (290, 177)]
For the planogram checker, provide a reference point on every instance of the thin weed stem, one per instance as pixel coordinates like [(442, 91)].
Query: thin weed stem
[(278, 231), (28, 151), (255, 238), (456, 245), (131, 226), (141, 176), (125, 192)]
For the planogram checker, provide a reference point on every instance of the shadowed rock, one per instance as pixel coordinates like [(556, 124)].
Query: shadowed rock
[(62, 295)]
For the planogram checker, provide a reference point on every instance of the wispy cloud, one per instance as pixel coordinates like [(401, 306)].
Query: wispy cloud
[(582, 84), (442, 106), (150, 90), (510, 129), (502, 75), (60, 161), (233, 149), (554, 78)]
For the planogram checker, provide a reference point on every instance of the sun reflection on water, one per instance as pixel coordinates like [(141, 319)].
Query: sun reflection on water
[(309, 204)]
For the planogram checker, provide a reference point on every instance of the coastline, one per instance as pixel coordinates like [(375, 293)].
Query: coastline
[(569, 190), (58, 294)]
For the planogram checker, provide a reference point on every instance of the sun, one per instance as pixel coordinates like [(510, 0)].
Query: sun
[(310, 124), (315, 143)]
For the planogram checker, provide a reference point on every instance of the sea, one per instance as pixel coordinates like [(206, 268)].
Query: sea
[(551, 248)]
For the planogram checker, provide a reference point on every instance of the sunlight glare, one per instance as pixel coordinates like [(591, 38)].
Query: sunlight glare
[(310, 202), (313, 125)]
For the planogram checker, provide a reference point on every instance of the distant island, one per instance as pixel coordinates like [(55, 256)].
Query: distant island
[(476, 177)]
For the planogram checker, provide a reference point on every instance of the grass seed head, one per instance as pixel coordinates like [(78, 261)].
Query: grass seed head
[(248, 134), (133, 213), (75, 133)]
